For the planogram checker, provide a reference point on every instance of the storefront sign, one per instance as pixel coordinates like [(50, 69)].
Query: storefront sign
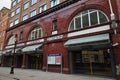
[(54, 59), (36, 41), (91, 30), (21, 44), (11, 46), (55, 37)]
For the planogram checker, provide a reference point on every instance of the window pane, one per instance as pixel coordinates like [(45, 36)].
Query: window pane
[(14, 3), (102, 18), (19, 1), (42, 8), (13, 13), (16, 21), (55, 25), (35, 33), (93, 18), (34, 1), (72, 25), (39, 33), (85, 20), (32, 13), (78, 22), (54, 2), (85, 12), (11, 24), (17, 10), (26, 5)]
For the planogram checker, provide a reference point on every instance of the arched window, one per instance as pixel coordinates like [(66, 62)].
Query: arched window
[(88, 18), (36, 33), (11, 40)]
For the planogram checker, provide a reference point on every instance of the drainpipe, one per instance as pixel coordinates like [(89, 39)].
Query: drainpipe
[(113, 19), (114, 26)]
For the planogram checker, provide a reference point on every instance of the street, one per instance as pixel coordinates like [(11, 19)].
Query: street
[(27, 74)]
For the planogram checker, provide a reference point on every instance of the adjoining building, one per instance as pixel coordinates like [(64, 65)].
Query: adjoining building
[(4, 22), (70, 36)]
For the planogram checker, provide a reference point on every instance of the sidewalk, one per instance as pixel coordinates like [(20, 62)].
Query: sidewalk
[(27, 74)]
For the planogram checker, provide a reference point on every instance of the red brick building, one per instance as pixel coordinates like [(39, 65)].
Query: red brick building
[(4, 22), (75, 36)]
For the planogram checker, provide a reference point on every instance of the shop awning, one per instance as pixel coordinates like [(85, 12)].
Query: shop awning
[(1, 52), (18, 50), (97, 41), (31, 48), (8, 51)]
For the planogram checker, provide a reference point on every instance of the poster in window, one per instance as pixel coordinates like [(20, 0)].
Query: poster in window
[(58, 60)]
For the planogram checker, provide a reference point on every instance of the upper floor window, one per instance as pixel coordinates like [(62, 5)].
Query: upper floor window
[(26, 5), (33, 13), (55, 25), (11, 24), (21, 35), (18, 10), (54, 2), (13, 13), (18, 1), (43, 7), (11, 40), (33, 2), (14, 3), (36, 33), (16, 21), (25, 17), (88, 18)]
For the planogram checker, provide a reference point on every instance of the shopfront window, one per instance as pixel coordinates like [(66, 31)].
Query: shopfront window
[(36, 33), (94, 62), (88, 18)]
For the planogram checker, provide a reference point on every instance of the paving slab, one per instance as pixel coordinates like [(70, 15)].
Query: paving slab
[(31, 74)]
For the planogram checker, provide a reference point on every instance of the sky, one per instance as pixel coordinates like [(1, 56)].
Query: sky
[(5, 3)]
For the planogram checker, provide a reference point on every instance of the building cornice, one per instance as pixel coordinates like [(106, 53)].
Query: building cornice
[(53, 9)]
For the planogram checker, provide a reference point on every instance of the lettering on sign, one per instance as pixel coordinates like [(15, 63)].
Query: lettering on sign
[(11, 46), (21, 44), (36, 41), (55, 38)]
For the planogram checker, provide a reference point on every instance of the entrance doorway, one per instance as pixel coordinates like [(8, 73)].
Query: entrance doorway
[(19, 59), (94, 62), (34, 61)]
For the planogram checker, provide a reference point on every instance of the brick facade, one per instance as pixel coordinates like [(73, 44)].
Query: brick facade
[(54, 44)]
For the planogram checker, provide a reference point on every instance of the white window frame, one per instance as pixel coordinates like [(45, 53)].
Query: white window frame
[(26, 5), (18, 10), (16, 21), (43, 7), (33, 13), (12, 13), (81, 14), (36, 33), (25, 17), (14, 3), (11, 24), (54, 3), (18, 1), (33, 2)]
